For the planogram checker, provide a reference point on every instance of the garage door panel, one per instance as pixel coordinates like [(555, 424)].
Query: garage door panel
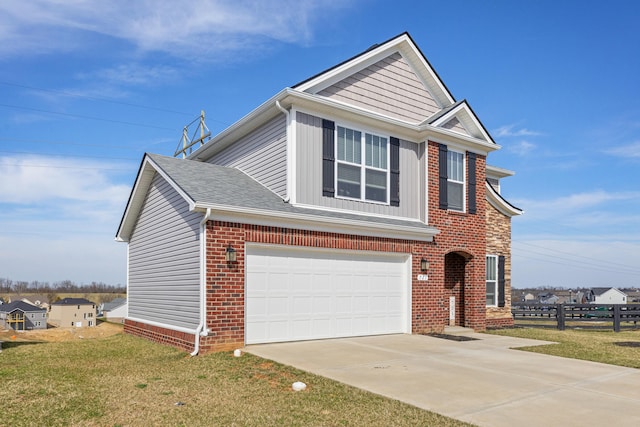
[(296, 294)]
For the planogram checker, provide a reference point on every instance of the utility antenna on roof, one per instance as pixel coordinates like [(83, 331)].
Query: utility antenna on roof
[(185, 147)]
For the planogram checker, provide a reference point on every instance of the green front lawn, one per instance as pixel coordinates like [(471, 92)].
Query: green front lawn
[(122, 380)]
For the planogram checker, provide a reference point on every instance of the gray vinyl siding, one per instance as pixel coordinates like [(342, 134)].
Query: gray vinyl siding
[(164, 260), (388, 87), (455, 125), (262, 155), (309, 174)]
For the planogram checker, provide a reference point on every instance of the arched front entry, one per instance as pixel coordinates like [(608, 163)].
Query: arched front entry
[(455, 274)]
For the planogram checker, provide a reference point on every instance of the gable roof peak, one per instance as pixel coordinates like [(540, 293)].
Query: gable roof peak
[(402, 43)]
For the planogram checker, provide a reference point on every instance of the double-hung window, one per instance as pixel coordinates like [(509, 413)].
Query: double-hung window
[(492, 280), (362, 165), (455, 180)]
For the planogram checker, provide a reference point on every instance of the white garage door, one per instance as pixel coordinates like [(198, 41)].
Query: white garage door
[(300, 294)]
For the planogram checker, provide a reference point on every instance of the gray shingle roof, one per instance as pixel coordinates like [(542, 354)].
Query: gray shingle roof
[(206, 183), (73, 301), (19, 305)]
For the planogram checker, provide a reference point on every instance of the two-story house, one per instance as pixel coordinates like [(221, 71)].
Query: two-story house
[(22, 316), (73, 312), (353, 203)]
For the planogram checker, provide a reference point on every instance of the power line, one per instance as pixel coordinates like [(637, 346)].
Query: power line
[(80, 144), (96, 98), (25, 165), (80, 116), (70, 155), (590, 259)]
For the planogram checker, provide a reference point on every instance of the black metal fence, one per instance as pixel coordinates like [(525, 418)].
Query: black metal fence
[(618, 315)]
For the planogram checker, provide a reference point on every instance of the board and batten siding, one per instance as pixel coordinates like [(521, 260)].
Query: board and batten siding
[(389, 87), (262, 155), (164, 260), (309, 174)]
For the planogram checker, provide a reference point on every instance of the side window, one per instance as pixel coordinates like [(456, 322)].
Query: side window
[(492, 280), (455, 180)]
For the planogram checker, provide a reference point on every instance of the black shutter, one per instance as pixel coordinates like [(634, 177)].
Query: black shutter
[(442, 172), (328, 158), (501, 281), (395, 171), (472, 183)]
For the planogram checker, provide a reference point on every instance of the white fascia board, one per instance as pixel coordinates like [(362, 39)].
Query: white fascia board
[(246, 124), (136, 199), (315, 223), (404, 130), (138, 194), (402, 44), (496, 172), (464, 110), (499, 203), (356, 64), (411, 52)]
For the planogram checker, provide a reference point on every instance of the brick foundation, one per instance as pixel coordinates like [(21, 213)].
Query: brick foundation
[(181, 340)]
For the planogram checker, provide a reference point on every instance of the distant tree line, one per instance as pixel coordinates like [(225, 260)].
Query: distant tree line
[(66, 286)]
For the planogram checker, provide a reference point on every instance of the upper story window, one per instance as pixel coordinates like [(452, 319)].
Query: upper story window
[(362, 177), (455, 180)]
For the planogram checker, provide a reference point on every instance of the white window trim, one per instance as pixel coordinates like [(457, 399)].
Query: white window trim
[(362, 165), (464, 179), (495, 289)]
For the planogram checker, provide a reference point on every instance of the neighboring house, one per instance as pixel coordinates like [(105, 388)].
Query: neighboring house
[(116, 310), (548, 298), (73, 312), (41, 301), (353, 203), (21, 316), (633, 295), (606, 296)]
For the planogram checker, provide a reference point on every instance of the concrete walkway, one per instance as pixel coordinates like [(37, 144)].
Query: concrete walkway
[(483, 382)]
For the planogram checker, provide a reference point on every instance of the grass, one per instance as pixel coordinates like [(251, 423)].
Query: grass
[(594, 345), (122, 380)]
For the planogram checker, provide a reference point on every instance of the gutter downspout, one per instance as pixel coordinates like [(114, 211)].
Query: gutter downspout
[(201, 330), (289, 174)]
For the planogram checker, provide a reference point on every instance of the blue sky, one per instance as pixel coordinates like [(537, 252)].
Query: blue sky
[(87, 87)]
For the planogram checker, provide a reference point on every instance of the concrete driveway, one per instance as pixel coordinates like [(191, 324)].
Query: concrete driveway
[(483, 382)]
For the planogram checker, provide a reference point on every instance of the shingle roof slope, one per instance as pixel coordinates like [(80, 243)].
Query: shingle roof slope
[(73, 301), (20, 305), (214, 184)]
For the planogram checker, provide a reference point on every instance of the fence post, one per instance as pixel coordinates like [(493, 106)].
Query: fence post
[(616, 317), (560, 316)]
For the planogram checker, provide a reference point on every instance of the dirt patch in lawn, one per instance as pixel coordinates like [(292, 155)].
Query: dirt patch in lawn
[(102, 330)]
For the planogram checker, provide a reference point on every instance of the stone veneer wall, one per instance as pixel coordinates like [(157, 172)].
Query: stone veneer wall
[(499, 243)]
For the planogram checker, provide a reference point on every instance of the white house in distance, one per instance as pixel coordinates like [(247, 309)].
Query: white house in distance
[(607, 296)]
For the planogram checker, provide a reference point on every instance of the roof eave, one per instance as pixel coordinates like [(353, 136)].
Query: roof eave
[(317, 223), (499, 202)]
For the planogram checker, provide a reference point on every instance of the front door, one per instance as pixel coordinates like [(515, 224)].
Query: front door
[(454, 281)]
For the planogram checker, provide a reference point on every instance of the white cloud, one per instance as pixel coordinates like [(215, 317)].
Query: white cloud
[(521, 148), (42, 178), (180, 28), (630, 150), (133, 75), (508, 131), (59, 218)]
